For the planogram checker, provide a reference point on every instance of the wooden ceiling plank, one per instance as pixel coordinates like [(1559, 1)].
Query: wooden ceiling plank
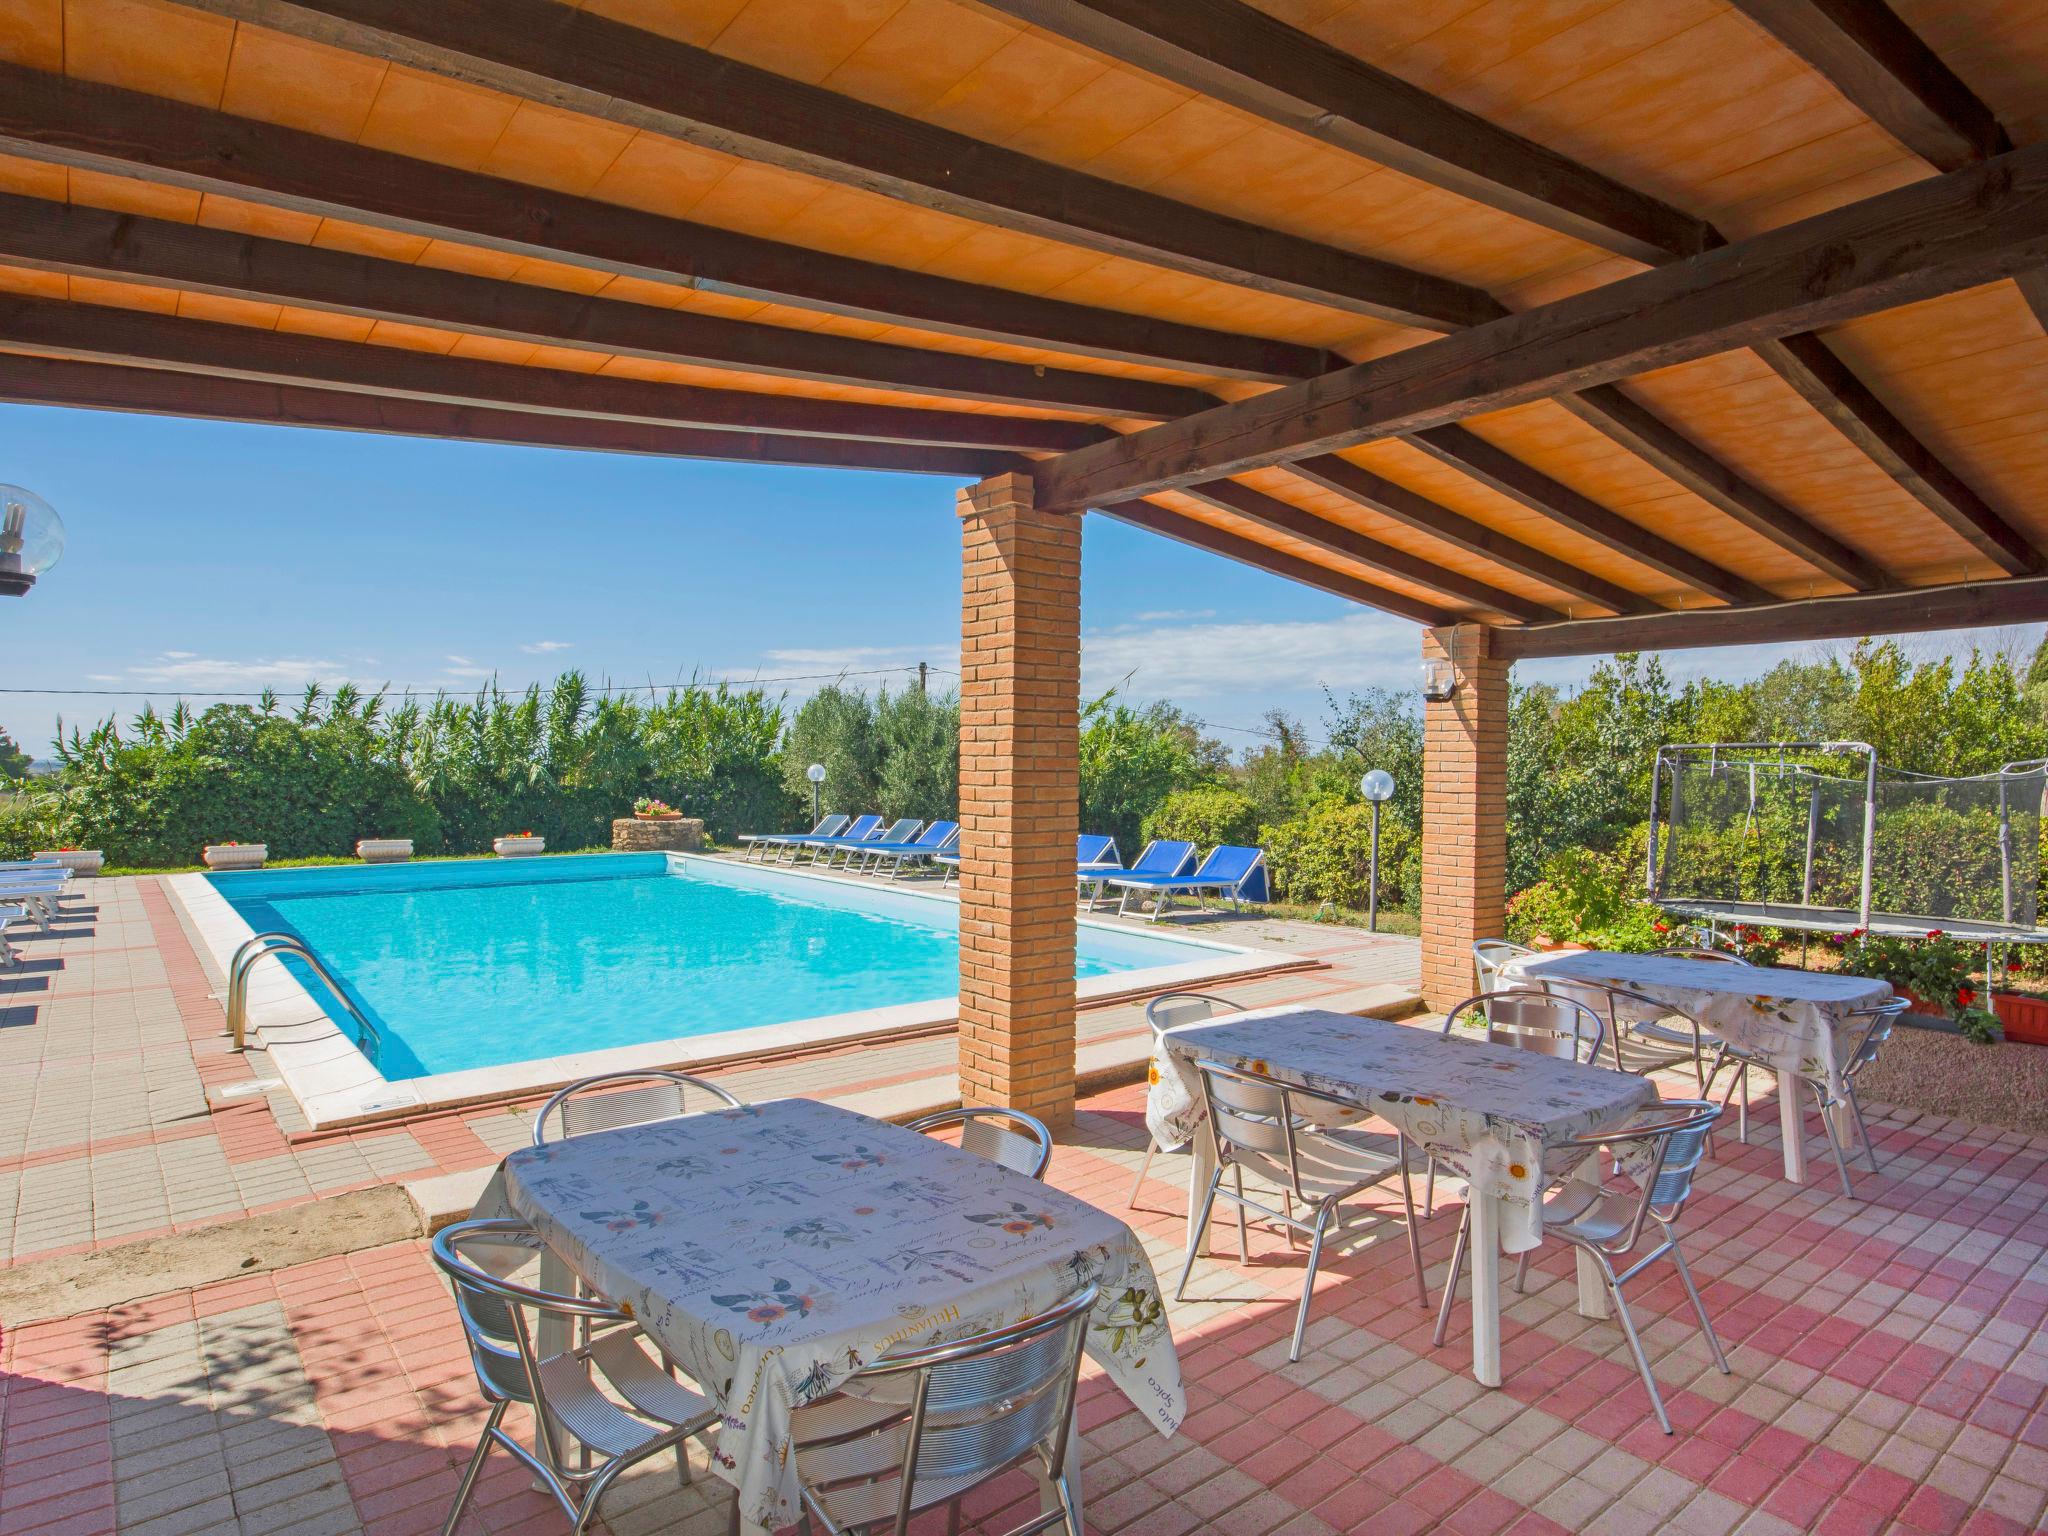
[(1412, 510), (582, 62), (127, 133), (1501, 471), (1674, 455), (1914, 242), (92, 242), (1297, 522), (1874, 59), (2012, 600), (101, 386), (1218, 541), (1826, 383), (102, 333), (2034, 289), (1236, 53)]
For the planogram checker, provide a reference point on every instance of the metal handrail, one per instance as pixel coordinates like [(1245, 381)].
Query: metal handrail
[(280, 944)]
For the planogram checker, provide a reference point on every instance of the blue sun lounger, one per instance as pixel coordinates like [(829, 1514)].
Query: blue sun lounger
[(861, 828), (940, 837), (761, 842), (1161, 859), (1239, 873), (845, 849), (1092, 853)]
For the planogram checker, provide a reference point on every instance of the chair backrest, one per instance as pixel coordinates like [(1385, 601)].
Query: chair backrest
[(1091, 848), (1489, 955), (940, 834), (902, 830), (1660, 1150), (977, 1407), (1882, 1017), (1169, 1009), (1230, 865), (613, 1100), (1530, 1020), (1682, 952), (1009, 1137), (830, 826), (862, 828), (498, 1314), (1268, 1127), (1162, 857)]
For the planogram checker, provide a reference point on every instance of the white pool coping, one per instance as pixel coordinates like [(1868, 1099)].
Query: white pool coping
[(336, 1085)]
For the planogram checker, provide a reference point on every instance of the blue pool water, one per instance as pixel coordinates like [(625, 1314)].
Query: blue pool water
[(472, 963)]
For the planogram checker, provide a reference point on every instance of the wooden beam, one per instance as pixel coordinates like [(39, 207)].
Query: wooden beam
[(99, 127), (1864, 51), (1333, 538), (2010, 600), (101, 333), (1501, 471), (2034, 289), (576, 60), (124, 247), (1825, 382), (1672, 454), (1915, 242), (1413, 510), (102, 387), (1201, 535), (1261, 65)]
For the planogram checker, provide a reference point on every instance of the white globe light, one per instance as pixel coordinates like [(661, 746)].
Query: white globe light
[(1377, 785), (815, 773), (31, 539)]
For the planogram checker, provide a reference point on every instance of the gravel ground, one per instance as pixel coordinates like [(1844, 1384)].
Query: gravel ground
[(1945, 1074)]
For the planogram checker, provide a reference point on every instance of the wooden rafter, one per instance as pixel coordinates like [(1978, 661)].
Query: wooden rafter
[(1864, 51), (1826, 383), (100, 386), (1296, 522), (1501, 471), (102, 333), (1376, 493), (2012, 600), (1217, 541), (1919, 241), (586, 63), (127, 133), (92, 242), (2034, 289), (1261, 65)]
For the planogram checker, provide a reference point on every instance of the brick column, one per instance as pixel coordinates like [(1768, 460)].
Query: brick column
[(1020, 688), (1464, 812)]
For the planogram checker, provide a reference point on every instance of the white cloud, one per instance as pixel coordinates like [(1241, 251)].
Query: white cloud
[(1174, 615), (463, 667), (1207, 661), (545, 647), (184, 669)]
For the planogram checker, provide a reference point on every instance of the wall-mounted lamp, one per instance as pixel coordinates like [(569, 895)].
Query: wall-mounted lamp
[(1439, 679)]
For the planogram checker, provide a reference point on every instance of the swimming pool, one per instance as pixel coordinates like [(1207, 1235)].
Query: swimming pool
[(466, 965)]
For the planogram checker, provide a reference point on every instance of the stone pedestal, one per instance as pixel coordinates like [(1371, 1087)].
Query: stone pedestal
[(634, 834)]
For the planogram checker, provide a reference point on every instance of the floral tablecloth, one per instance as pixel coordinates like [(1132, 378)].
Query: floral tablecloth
[(774, 1249), (1489, 1113), (1798, 1021)]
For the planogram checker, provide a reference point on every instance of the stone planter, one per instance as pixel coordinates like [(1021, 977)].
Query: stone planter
[(236, 855), (384, 850), (518, 847), (80, 861), (657, 834)]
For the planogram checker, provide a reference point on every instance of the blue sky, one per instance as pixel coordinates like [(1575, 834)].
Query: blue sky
[(207, 556)]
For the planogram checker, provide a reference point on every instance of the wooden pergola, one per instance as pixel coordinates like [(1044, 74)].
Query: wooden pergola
[(1558, 329)]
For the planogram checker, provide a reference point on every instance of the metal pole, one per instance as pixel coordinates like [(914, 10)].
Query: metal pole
[(816, 815), (2004, 862), (1869, 832), (921, 670), (1372, 910), (1812, 831), (1650, 872)]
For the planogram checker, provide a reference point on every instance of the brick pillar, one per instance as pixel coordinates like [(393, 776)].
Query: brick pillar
[(1020, 688), (1464, 812)]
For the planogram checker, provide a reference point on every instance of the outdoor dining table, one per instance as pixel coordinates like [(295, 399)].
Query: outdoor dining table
[(1799, 1021), (1493, 1115), (773, 1250)]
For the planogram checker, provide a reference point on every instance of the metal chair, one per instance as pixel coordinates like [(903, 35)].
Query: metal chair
[(1638, 1016), (1019, 1142), (1167, 1011), (1489, 956), (922, 1427), (1659, 1151), (1273, 1130), (1882, 1016), (501, 1319), (605, 1103)]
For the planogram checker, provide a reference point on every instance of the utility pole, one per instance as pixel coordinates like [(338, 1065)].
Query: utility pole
[(921, 669)]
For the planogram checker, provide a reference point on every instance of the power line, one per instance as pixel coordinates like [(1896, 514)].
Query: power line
[(607, 688)]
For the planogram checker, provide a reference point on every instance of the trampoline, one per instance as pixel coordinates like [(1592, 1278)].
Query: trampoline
[(1820, 837)]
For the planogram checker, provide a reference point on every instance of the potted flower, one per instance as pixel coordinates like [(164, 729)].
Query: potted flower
[(80, 861), (647, 809), (234, 855), (518, 845), (384, 850)]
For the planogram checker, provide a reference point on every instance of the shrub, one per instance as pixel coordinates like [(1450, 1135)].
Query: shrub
[(1204, 816), (1326, 855)]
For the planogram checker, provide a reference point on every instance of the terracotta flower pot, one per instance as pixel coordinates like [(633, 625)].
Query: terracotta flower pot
[(657, 815)]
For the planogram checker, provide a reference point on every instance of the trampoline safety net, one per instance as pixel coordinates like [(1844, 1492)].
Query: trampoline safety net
[(1820, 835)]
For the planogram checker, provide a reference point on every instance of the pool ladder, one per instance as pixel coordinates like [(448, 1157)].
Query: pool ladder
[(281, 944)]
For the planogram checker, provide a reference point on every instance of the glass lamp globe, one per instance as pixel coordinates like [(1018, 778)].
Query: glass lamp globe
[(31, 539), (1377, 785), (815, 773)]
